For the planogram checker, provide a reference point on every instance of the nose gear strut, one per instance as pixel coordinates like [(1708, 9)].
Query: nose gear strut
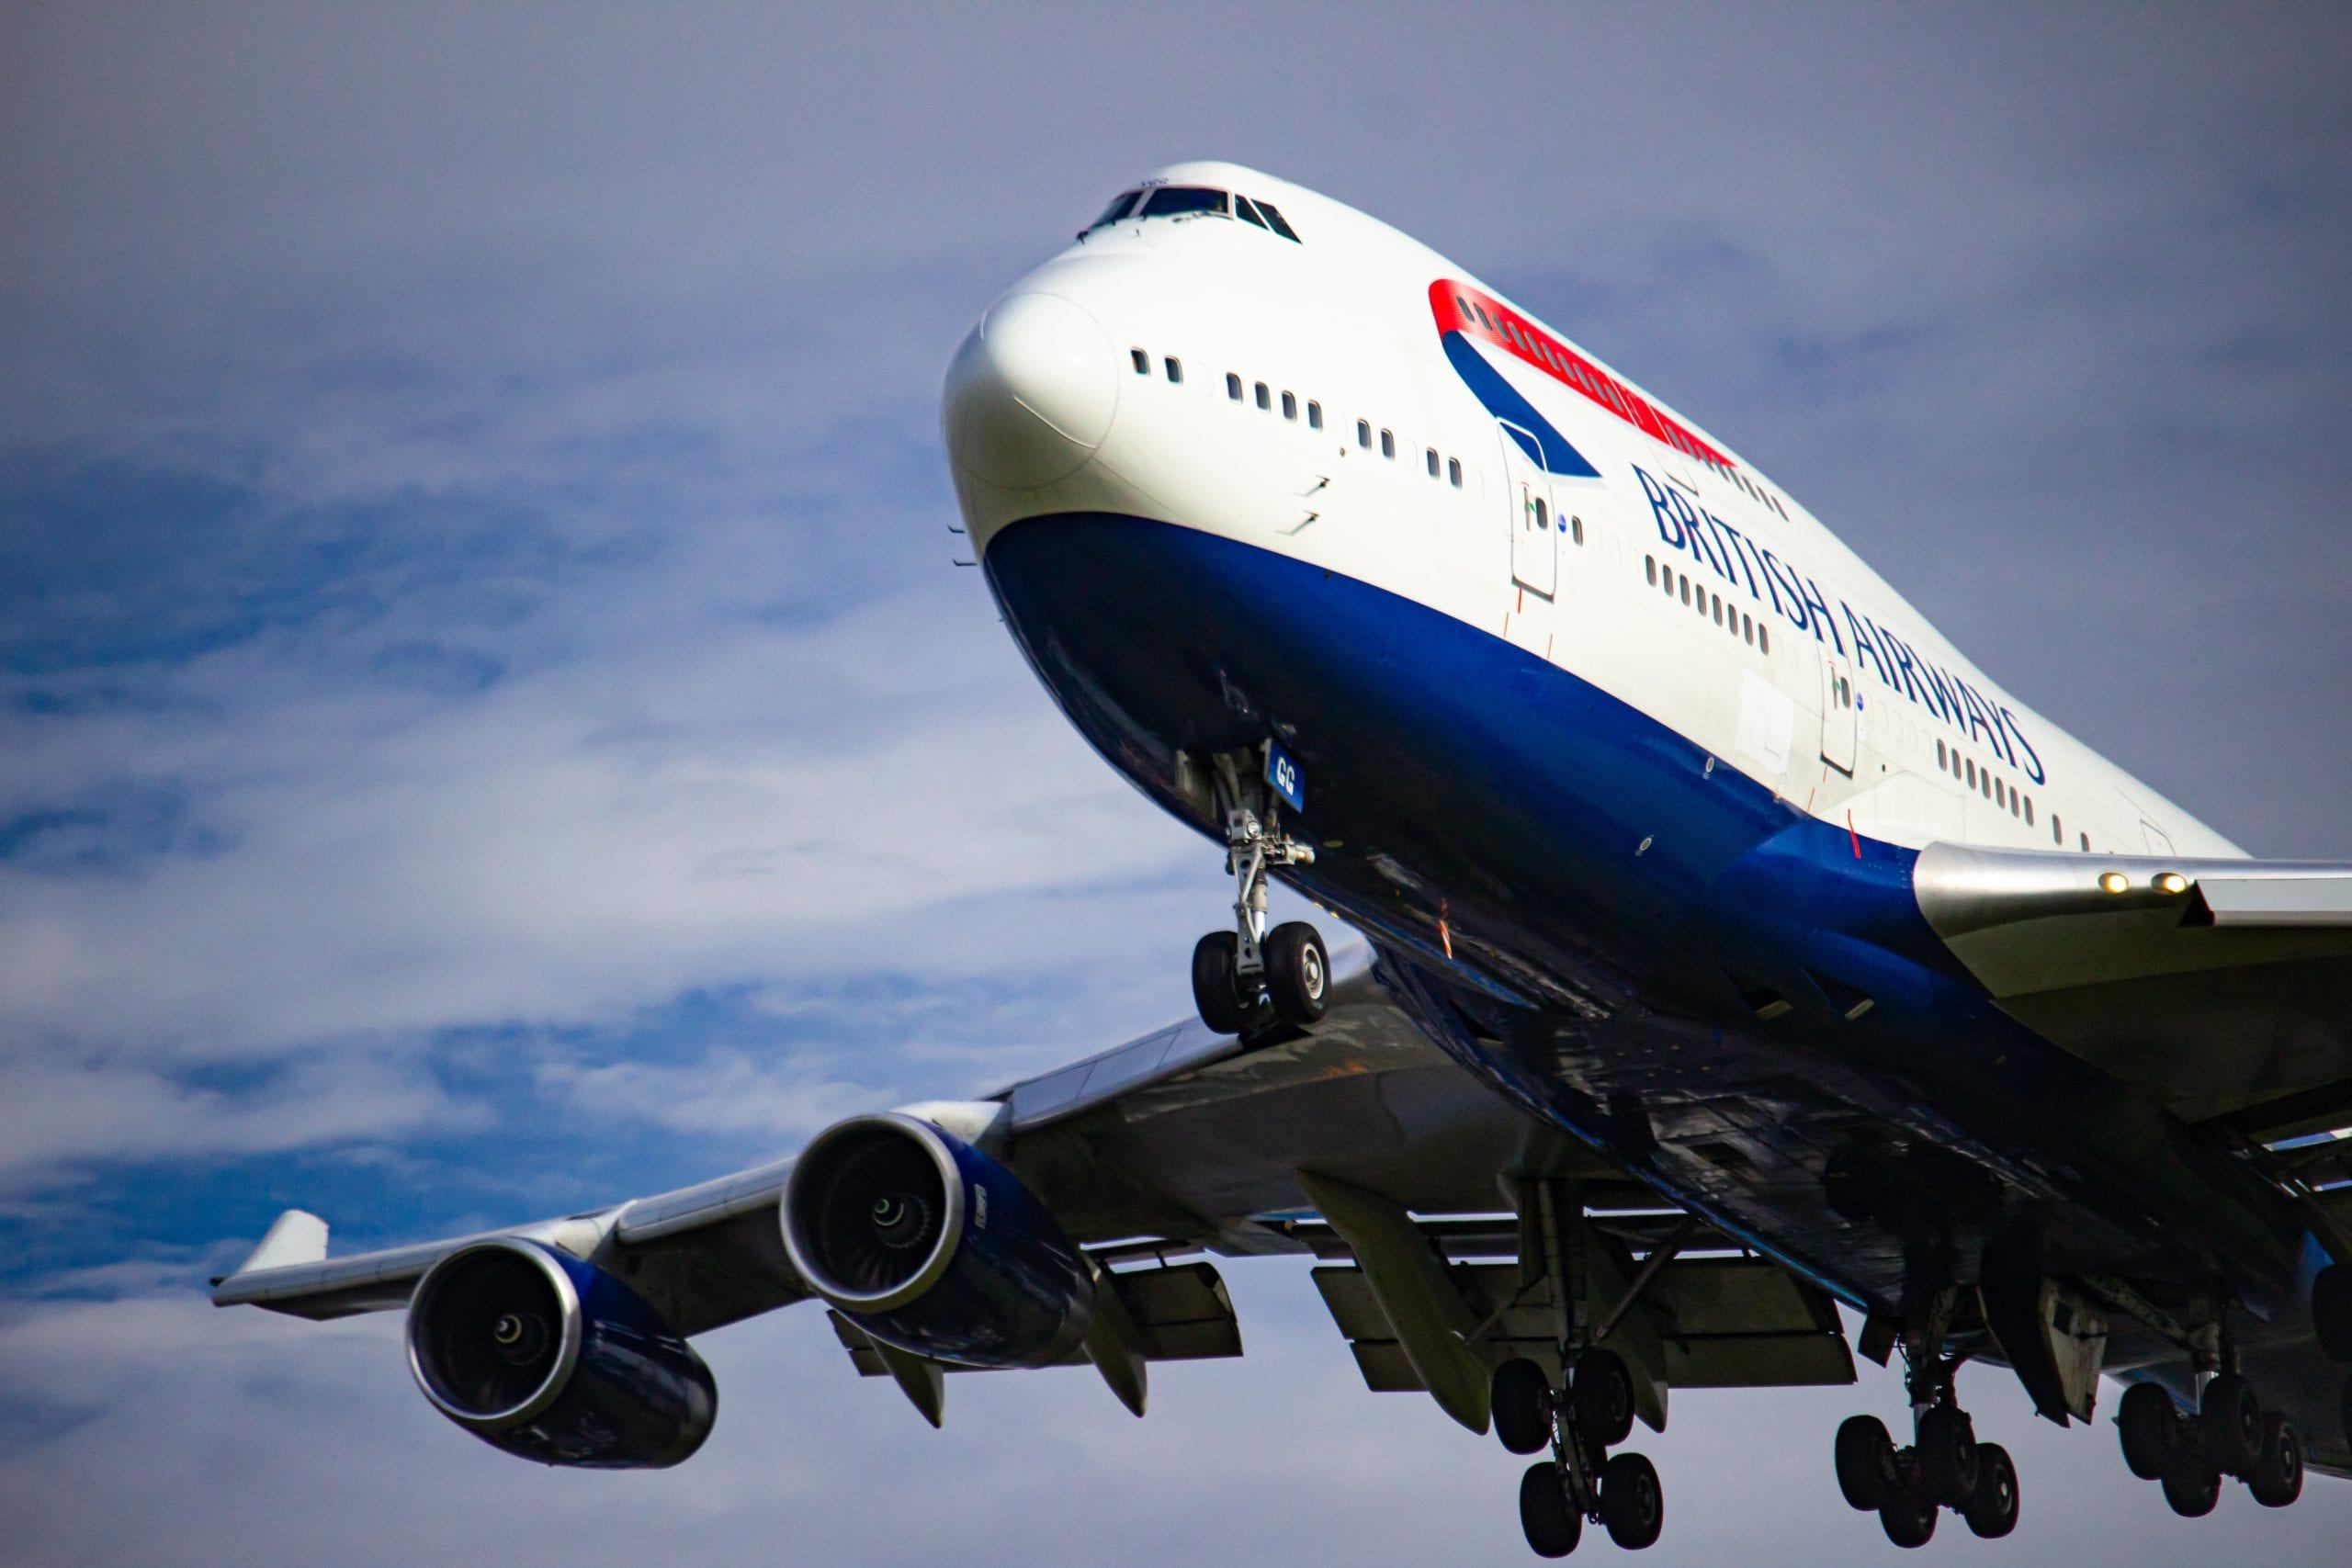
[(1239, 973)]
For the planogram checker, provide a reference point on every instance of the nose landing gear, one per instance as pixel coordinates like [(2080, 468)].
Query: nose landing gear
[(1238, 974)]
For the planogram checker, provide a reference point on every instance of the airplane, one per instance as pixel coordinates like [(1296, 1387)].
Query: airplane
[(1732, 950)]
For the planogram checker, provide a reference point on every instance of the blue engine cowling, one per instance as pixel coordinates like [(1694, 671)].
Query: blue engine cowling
[(928, 1244), (544, 1356)]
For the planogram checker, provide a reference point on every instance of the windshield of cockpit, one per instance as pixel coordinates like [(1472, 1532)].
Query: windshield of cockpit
[(1191, 201)]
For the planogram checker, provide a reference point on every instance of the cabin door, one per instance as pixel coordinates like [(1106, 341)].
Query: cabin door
[(1838, 719), (1534, 531)]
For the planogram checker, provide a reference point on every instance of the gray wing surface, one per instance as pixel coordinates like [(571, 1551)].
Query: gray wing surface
[(1183, 1142), (2223, 987)]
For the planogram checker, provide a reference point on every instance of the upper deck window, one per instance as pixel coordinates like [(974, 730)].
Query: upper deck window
[(1176, 201), (1117, 209)]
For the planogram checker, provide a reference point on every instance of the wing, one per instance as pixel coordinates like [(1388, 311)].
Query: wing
[(2221, 987), (1354, 1140)]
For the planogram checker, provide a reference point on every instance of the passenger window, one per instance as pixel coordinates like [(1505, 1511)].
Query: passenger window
[(2086, 842), (1290, 405), (1748, 628), (1314, 416), (1483, 320), (1763, 640), (1178, 201), (1433, 459), (1649, 568), (1265, 397), (1364, 433), (2057, 830), (1141, 361), (1453, 472), (1233, 385), (1387, 445), (1575, 529), (1719, 608), (1247, 213), (1274, 221), (1543, 513), (1939, 754), (1971, 766), (1175, 367), (1685, 586)]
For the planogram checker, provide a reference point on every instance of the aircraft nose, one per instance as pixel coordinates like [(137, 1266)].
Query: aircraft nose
[(1031, 392)]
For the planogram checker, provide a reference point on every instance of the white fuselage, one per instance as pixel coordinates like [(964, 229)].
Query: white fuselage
[(1679, 580)]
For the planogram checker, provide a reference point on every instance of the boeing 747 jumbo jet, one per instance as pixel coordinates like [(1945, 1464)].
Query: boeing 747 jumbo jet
[(1735, 949)]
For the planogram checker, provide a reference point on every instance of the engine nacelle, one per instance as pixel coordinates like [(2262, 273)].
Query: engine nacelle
[(930, 1245), (544, 1356)]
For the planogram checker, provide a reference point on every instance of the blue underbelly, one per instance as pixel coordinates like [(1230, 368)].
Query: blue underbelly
[(1715, 988)]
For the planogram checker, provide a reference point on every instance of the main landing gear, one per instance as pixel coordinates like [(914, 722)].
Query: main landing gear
[(2229, 1434), (1943, 1467), (1238, 975), (1579, 1423)]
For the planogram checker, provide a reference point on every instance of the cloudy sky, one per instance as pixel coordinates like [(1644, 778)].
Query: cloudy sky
[(489, 724)]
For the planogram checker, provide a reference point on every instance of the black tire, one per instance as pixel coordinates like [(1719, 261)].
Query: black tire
[(1865, 1457), (2231, 1417), (1992, 1510), (1633, 1504), (2149, 1427), (2332, 1310), (1949, 1457), (2279, 1479), (1600, 1400), (1552, 1528), (1216, 985), (2192, 1485), (1298, 973), (1908, 1521), (1522, 1398)]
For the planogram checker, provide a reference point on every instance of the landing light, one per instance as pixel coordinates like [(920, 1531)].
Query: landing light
[(2171, 882), (2114, 881)]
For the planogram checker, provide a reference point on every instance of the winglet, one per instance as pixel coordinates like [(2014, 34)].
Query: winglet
[(294, 1238)]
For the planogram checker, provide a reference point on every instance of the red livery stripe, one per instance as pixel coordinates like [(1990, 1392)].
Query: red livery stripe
[(1474, 313)]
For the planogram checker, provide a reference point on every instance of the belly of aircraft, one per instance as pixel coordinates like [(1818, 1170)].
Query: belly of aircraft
[(1619, 934)]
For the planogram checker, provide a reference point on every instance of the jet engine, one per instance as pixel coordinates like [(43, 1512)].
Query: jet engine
[(930, 1245), (544, 1356)]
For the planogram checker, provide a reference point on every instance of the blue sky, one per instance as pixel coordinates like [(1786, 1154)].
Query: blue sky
[(489, 724)]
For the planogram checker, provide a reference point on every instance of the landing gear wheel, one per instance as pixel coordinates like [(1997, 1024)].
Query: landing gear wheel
[(1907, 1521), (1866, 1471), (2279, 1479), (2332, 1310), (1522, 1398), (2149, 1429), (1553, 1527), (1992, 1510), (1632, 1505), (1947, 1456), (1298, 973), (2231, 1417), (1216, 986), (1600, 1401), (2192, 1485)]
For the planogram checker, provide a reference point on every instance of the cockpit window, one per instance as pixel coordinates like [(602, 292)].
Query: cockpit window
[(1173, 201), (1274, 219), (1117, 209), (1247, 213)]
